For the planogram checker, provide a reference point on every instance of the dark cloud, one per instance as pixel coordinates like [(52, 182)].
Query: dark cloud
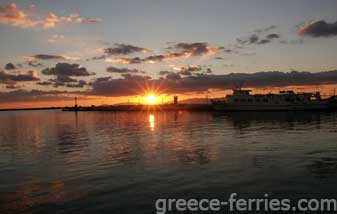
[(34, 95), (263, 41), (128, 85), (174, 83), (164, 72), (196, 48), (190, 68), (7, 78), (64, 81), (98, 57), (318, 29), (228, 51), (187, 70), (173, 76), (253, 39), (66, 69), (123, 49), (273, 36), (50, 57), (44, 83), (180, 50), (10, 66), (79, 84), (259, 37), (46, 57), (122, 70)]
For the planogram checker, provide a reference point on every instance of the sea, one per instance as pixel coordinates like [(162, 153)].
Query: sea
[(123, 162)]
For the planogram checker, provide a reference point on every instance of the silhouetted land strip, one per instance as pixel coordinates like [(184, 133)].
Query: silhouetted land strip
[(30, 109), (163, 107)]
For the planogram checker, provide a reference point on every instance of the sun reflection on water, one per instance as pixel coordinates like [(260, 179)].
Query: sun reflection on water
[(151, 121)]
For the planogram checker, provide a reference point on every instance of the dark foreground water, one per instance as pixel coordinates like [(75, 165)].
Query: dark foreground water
[(105, 162)]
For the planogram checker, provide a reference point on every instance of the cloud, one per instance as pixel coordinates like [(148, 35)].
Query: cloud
[(50, 57), (10, 66), (44, 83), (127, 85), (34, 95), (174, 83), (28, 18), (123, 49), (66, 69), (273, 36), (263, 41), (7, 78), (135, 60), (318, 28), (258, 37), (122, 70), (79, 84), (181, 50), (35, 64), (255, 39), (63, 81), (187, 70), (196, 48)]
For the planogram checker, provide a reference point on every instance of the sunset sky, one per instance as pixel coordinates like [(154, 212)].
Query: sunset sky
[(113, 51)]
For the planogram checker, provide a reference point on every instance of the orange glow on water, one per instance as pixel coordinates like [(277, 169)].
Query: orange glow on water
[(152, 121)]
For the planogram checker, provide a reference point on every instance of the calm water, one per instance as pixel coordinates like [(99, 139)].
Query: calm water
[(105, 162)]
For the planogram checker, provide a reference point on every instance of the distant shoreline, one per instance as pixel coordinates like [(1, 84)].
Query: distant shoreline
[(30, 109)]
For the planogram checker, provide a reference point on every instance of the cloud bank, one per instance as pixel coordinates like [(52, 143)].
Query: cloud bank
[(175, 83)]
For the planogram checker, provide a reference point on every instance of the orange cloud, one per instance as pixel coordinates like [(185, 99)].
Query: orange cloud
[(13, 16)]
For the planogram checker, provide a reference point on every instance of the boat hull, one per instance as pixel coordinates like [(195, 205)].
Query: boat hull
[(299, 107)]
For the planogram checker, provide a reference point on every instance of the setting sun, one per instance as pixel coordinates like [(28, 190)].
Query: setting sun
[(151, 99)]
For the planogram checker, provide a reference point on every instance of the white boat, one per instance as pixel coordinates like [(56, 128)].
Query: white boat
[(242, 100)]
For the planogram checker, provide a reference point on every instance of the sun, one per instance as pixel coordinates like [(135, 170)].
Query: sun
[(151, 99)]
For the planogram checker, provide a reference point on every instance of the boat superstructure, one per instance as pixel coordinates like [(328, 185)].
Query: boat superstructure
[(243, 100)]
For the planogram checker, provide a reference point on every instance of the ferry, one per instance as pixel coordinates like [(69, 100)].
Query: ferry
[(242, 100)]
